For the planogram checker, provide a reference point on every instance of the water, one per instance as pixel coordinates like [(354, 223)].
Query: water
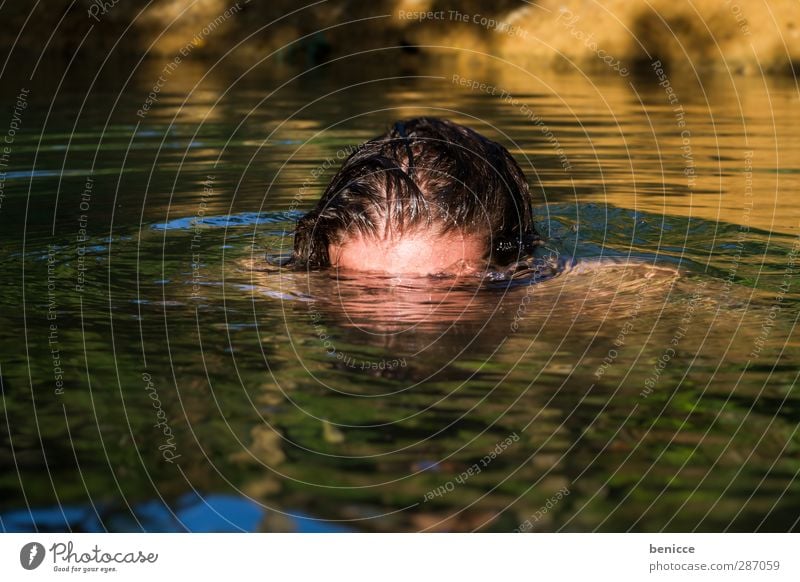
[(160, 375)]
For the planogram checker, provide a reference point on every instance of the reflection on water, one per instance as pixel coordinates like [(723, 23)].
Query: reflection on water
[(652, 378)]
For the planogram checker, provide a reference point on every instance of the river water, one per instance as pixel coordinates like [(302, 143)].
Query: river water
[(158, 374)]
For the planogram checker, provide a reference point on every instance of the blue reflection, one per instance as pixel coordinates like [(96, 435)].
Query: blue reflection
[(192, 513)]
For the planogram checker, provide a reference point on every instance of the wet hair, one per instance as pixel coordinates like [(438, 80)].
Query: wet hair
[(424, 173)]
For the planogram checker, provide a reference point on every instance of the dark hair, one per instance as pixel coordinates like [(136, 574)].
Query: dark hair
[(424, 172)]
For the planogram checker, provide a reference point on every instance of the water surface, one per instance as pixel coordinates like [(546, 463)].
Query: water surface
[(158, 375)]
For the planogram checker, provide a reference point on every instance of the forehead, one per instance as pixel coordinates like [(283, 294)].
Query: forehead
[(417, 253)]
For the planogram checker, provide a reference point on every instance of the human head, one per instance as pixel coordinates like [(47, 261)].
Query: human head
[(427, 194)]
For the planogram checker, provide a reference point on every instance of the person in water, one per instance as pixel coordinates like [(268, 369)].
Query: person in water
[(429, 197)]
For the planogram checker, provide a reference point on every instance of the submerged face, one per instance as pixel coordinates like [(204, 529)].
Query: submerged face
[(417, 254)]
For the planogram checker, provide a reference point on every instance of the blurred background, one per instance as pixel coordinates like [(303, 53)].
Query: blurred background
[(726, 35)]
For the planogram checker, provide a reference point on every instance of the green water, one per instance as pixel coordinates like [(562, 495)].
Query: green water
[(650, 386)]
